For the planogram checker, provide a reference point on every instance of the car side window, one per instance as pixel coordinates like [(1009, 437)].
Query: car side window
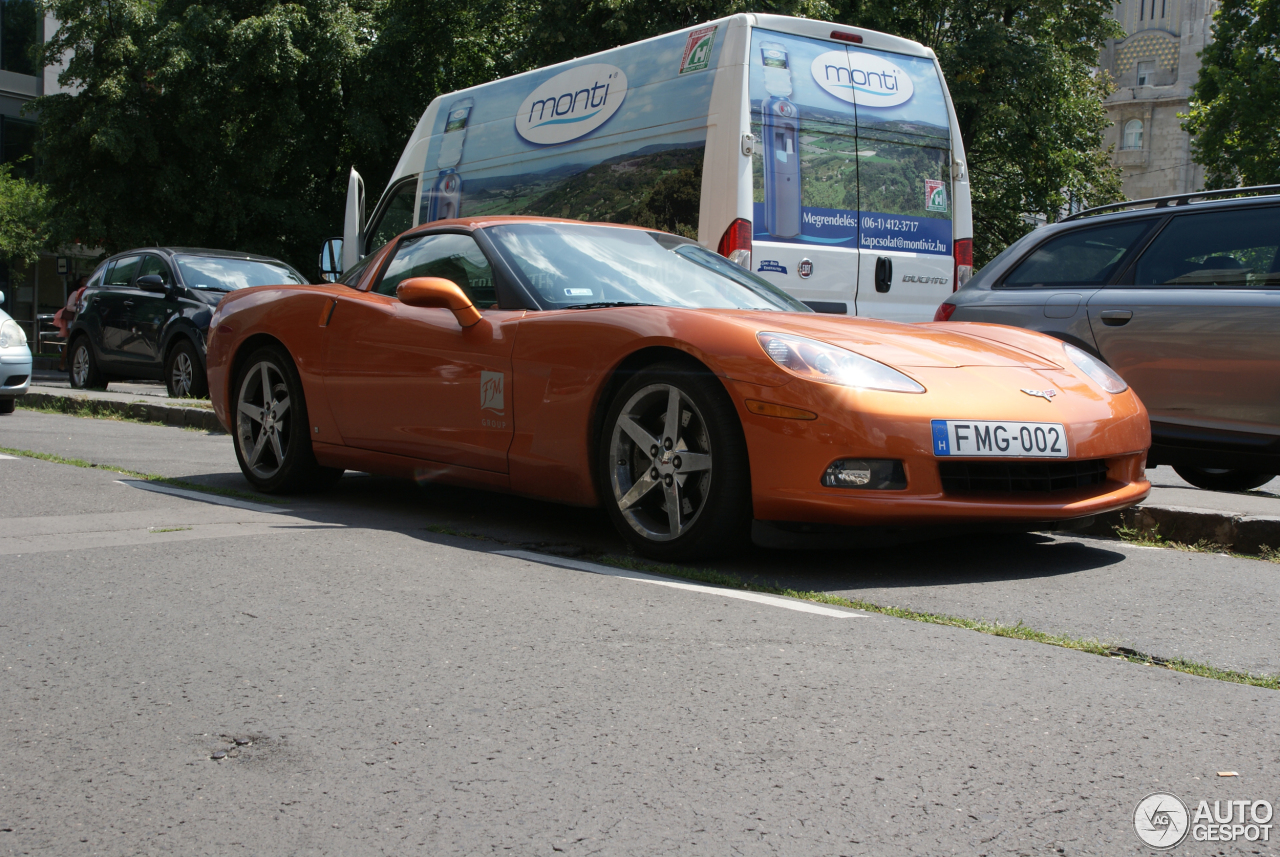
[(155, 265), (1079, 257), (1222, 249), (121, 272), (453, 257), (397, 217)]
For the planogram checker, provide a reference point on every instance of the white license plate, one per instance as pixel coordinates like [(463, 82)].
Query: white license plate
[(992, 439)]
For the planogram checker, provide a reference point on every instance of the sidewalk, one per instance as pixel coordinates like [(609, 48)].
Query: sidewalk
[(139, 400), (1176, 511)]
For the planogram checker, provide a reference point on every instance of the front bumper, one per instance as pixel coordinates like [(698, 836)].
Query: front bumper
[(789, 456), (15, 371)]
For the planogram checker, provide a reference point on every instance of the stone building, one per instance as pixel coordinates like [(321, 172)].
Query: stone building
[(1154, 67)]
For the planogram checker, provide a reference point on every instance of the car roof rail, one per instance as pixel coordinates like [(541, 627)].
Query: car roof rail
[(1176, 200)]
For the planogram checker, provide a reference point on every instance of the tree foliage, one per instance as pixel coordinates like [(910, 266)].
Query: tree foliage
[(24, 212), (1234, 114)]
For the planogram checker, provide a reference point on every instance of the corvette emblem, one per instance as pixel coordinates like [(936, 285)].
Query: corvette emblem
[(1047, 395)]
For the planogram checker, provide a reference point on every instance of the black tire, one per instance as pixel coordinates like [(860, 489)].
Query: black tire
[(713, 503), (82, 366), (283, 463), (184, 374), (7, 405), (1212, 479)]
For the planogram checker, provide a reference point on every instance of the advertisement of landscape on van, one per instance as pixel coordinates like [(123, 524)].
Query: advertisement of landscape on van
[(855, 147), (619, 141)]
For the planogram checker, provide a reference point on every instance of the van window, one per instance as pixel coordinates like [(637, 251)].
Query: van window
[(395, 218), (1227, 249), (1079, 257), (855, 146)]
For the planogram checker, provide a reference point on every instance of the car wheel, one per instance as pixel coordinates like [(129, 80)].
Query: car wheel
[(183, 372), (7, 405), (1213, 479), (673, 465), (83, 369), (273, 444)]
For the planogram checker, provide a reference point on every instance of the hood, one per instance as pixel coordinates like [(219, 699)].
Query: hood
[(903, 345)]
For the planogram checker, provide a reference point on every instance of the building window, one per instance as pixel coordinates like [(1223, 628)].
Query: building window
[(1132, 134), (19, 33), (1146, 74)]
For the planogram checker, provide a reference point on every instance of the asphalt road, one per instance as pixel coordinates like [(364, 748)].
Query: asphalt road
[(403, 691)]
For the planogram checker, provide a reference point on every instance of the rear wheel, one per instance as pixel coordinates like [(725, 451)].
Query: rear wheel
[(183, 373), (1215, 479), (83, 369), (673, 465), (273, 444)]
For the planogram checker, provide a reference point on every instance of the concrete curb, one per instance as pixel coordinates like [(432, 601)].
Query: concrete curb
[(1248, 534), (200, 418)]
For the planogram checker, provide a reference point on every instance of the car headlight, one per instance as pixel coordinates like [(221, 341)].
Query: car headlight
[(1100, 372), (830, 364), (11, 334)]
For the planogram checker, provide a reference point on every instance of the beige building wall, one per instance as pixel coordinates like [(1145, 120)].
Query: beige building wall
[(1154, 67)]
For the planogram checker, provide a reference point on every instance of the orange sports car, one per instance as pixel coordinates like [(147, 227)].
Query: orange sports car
[(598, 364)]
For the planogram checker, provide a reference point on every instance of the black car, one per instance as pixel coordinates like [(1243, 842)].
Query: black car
[(1181, 296), (144, 314)]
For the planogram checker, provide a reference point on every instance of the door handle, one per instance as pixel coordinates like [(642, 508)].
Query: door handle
[(1115, 317), (884, 274), (128, 303)]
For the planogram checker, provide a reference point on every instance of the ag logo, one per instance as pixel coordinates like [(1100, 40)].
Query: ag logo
[(491, 397), (1161, 820), (865, 79), (805, 269), (697, 50), (935, 195), (572, 104)]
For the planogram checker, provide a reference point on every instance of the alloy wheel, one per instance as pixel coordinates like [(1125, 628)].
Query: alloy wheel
[(660, 452), (262, 419), (80, 365), (181, 374)]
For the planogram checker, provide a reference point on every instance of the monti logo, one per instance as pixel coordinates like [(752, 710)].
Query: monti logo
[(865, 79), (572, 104)]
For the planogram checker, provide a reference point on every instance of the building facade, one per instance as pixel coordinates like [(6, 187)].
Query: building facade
[(1154, 67), (40, 288)]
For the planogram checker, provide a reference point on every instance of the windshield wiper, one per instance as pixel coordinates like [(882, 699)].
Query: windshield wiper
[(605, 304)]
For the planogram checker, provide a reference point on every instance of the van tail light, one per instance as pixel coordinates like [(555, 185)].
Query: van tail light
[(964, 263), (944, 312), (735, 244)]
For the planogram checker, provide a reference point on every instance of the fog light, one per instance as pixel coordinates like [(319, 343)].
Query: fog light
[(875, 473)]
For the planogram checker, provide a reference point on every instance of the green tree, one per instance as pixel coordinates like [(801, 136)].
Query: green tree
[(1234, 114), (24, 214)]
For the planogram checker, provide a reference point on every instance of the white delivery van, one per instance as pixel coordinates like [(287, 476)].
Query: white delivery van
[(825, 158)]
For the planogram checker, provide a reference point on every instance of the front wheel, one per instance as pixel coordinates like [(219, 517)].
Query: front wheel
[(83, 369), (673, 465), (183, 372), (273, 444), (1214, 479)]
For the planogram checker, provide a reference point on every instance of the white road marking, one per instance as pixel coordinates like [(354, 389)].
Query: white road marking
[(757, 597), (200, 496), (9, 457)]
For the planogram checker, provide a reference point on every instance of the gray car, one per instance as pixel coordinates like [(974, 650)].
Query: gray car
[(1181, 296)]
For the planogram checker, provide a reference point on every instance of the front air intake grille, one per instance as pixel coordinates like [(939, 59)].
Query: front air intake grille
[(15, 380), (1000, 477)]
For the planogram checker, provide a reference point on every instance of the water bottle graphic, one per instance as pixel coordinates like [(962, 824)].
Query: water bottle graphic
[(446, 192), (780, 127)]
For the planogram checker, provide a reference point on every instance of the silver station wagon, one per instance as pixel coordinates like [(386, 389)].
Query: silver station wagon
[(1181, 296)]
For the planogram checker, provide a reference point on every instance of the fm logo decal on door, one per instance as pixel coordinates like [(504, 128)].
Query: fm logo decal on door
[(491, 392)]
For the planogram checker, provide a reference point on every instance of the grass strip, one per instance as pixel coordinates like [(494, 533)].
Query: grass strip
[(145, 477), (1152, 539), (94, 409)]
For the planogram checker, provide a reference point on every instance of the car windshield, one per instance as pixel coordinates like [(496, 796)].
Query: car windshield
[(223, 274), (571, 266)]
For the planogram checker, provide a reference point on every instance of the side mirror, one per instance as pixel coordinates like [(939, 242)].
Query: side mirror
[(331, 260), (152, 283), (438, 292)]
